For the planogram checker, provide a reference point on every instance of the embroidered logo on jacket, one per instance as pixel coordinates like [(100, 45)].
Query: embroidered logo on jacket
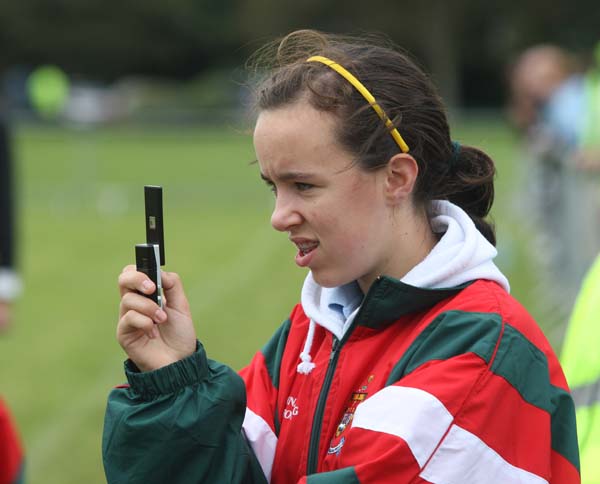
[(291, 408), (357, 397)]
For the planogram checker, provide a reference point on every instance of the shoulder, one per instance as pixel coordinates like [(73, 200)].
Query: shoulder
[(485, 311), (489, 297), (484, 318)]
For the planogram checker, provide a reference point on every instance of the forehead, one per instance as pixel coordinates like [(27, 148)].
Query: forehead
[(298, 114), (295, 136)]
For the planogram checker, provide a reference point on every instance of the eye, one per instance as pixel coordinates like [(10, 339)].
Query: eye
[(302, 187), (272, 187)]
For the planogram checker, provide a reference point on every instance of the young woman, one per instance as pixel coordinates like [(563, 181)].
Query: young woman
[(406, 360)]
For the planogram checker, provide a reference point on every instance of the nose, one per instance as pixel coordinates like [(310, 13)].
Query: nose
[(285, 215)]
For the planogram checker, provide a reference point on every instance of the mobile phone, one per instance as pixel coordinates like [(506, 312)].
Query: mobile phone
[(149, 257)]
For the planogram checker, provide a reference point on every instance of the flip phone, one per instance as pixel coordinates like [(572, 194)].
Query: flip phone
[(151, 255)]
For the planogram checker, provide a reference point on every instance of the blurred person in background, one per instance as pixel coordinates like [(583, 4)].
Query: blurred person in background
[(10, 282), (571, 126), (554, 103), (545, 94), (406, 361), (11, 452), (534, 77)]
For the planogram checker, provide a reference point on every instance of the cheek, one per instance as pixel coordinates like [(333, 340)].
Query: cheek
[(349, 232), (350, 220)]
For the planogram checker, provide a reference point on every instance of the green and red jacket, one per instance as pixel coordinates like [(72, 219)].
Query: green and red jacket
[(427, 386)]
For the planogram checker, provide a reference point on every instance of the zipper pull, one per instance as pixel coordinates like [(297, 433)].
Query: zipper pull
[(334, 348)]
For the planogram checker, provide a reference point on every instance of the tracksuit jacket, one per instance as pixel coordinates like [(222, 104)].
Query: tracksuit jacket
[(440, 377)]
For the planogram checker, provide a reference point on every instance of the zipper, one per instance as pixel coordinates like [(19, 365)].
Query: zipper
[(315, 436)]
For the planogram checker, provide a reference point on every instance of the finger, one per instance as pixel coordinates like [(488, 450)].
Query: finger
[(173, 290), (129, 268), (131, 281), (132, 301), (133, 321)]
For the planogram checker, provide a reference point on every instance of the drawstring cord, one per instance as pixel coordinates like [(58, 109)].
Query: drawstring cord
[(307, 365)]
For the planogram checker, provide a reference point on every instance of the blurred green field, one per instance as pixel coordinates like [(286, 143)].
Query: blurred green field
[(81, 212)]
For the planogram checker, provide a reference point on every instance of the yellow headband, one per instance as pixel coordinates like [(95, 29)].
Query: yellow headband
[(366, 94)]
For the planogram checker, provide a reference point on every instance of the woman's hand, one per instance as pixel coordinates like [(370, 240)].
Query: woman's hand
[(151, 337)]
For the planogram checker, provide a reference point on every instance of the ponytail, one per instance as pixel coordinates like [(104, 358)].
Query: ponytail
[(469, 184)]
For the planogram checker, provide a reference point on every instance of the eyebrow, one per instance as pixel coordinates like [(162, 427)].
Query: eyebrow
[(289, 175)]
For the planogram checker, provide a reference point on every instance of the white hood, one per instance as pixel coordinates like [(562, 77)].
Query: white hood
[(462, 255)]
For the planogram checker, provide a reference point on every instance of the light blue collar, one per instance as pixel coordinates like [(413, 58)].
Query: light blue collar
[(343, 299)]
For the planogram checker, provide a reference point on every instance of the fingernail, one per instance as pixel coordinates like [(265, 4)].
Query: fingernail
[(147, 285), (160, 316)]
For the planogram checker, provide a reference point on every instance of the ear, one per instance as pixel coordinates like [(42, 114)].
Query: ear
[(401, 176)]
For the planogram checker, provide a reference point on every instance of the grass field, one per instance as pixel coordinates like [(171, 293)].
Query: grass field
[(80, 211)]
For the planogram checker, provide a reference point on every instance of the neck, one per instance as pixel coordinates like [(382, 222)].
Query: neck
[(412, 242)]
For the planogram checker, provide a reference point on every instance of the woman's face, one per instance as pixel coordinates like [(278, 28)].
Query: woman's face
[(334, 212)]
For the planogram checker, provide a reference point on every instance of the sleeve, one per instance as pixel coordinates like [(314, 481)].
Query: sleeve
[(179, 424), (261, 377), (473, 400)]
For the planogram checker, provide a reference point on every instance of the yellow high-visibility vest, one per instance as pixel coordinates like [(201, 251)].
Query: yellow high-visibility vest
[(581, 363)]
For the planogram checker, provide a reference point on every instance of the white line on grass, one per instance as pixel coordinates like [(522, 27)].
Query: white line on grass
[(237, 273)]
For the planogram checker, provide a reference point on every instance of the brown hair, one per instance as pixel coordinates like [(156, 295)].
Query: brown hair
[(406, 95)]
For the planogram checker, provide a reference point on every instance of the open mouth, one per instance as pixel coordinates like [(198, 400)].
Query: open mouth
[(306, 247)]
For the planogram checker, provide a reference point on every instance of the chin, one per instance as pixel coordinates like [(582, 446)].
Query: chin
[(330, 280)]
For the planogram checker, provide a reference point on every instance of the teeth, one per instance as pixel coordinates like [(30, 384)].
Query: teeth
[(306, 247)]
